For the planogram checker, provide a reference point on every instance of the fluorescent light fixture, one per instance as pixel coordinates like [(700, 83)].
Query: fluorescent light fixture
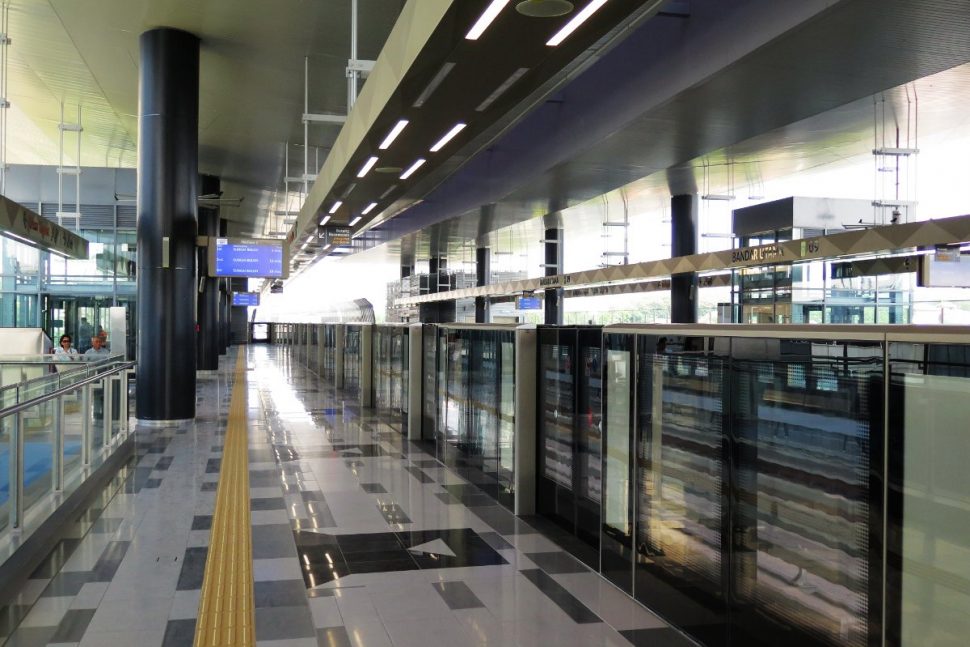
[(369, 208), (433, 84), (448, 136), (413, 168), (336, 205), (353, 222), (500, 90), (490, 14), (325, 220), (388, 191), (368, 165), (574, 24), (391, 136)]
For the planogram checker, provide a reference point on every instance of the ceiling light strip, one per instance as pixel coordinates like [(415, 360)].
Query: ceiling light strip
[(433, 84), (368, 165), (325, 220), (413, 168), (574, 24), (388, 191), (354, 221), (448, 136), (500, 90), (336, 205), (489, 15), (368, 209), (391, 136)]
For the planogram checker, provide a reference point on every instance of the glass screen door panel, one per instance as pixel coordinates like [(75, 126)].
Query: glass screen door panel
[(616, 554)]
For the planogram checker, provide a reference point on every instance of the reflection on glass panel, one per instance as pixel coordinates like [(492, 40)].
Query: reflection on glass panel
[(506, 436), (803, 419), (5, 431), (616, 510), (72, 421), (680, 473), (429, 341), (929, 411), (37, 427), (589, 424), (558, 400)]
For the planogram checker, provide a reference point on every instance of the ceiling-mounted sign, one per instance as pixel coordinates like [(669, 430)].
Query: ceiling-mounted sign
[(247, 258), (336, 235), (22, 224)]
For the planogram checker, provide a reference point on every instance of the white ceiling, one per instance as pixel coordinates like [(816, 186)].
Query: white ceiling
[(85, 53)]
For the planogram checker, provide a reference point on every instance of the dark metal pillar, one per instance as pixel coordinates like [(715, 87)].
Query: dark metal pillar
[(208, 341), (168, 175), (683, 242), (553, 296), (225, 300), (483, 272)]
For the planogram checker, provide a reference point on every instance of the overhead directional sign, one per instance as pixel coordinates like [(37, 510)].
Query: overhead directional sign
[(22, 224), (336, 235)]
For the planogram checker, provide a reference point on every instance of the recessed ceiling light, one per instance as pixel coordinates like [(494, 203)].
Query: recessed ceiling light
[(368, 165), (325, 220), (354, 221), (457, 128), (369, 208), (490, 14), (414, 167), (433, 84), (500, 90), (577, 20), (336, 205), (391, 136)]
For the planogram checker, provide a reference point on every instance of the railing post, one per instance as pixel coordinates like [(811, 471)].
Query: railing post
[(123, 404), (106, 409), (86, 425), (17, 473), (57, 467)]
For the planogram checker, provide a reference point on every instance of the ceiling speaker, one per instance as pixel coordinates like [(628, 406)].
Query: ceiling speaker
[(544, 8)]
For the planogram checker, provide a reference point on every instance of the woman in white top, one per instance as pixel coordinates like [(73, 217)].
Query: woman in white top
[(64, 349)]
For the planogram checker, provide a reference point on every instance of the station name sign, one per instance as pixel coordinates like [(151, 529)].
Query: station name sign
[(556, 281), (31, 228), (758, 254)]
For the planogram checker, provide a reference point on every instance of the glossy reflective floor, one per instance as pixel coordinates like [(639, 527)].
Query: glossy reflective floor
[(359, 538)]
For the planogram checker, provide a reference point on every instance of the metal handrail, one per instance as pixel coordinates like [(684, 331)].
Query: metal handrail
[(23, 406), (81, 366)]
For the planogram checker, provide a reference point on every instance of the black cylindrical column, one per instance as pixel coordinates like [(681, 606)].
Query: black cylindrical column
[(225, 299), (553, 296), (208, 343), (483, 272), (683, 242), (168, 149)]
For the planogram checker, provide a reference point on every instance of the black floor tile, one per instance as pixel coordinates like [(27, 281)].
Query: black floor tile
[(107, 565), (212, 465), (457, 595), (164, 462), (418, 474), (202, 522), (373, 488), (495, 540), (448, 499), (393, 513), (73, 625), (403, 562), (282, 593), (333, 637), (193, 569), (565, 600), (179, 633), (209, 486), (557, 563), (151, 484), (273, 503), (663, 637), (67, 583)]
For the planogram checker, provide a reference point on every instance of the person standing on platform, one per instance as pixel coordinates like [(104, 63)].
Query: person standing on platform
[(97, 348), (64, 349)]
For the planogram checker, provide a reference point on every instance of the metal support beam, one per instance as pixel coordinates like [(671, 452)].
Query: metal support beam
[(553, 300)]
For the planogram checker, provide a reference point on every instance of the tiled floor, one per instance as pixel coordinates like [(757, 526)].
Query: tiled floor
[(359, 538)]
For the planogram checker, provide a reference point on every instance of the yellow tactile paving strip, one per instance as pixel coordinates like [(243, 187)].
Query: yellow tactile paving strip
[(226, 606)]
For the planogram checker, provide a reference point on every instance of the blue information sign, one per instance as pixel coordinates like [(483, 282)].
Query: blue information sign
[(245, 298), (248, 258), (528, 303)]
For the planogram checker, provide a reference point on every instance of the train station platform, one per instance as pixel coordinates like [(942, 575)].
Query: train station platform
[(352, 535)]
